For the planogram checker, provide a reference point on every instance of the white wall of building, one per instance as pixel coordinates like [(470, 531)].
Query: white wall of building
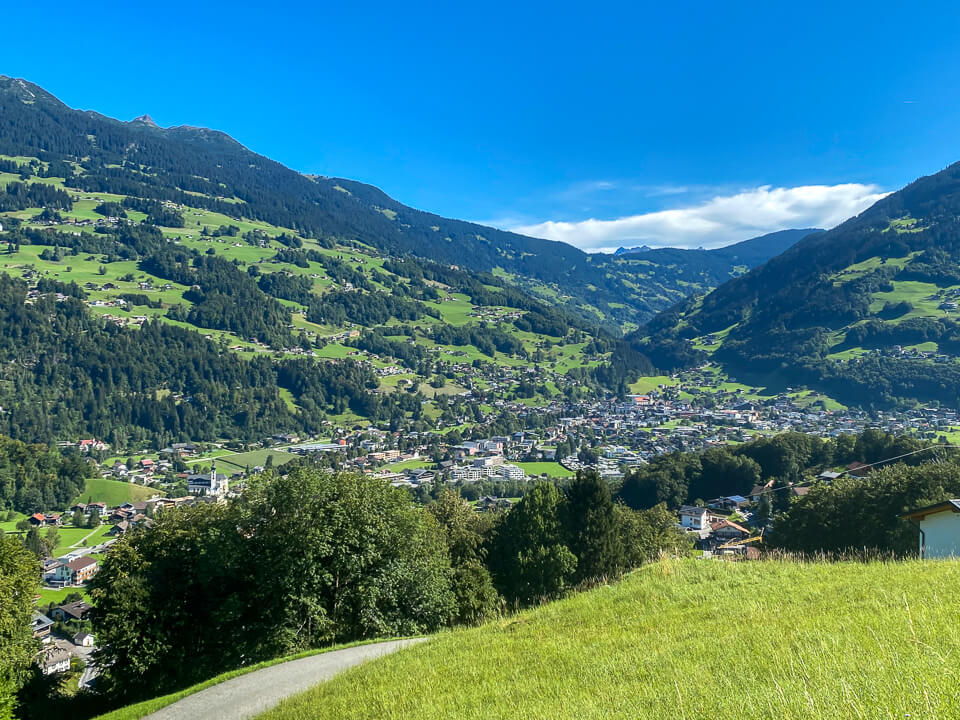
[(941, 532)]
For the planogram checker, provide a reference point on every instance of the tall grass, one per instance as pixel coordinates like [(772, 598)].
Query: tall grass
[(782, 638)]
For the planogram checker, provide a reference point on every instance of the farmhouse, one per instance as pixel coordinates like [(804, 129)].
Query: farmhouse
[(939, 529)]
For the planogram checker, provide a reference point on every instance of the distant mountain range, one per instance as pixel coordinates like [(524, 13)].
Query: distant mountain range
[(749, 253)]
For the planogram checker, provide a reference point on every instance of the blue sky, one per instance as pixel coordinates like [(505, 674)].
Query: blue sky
[(601, 124)]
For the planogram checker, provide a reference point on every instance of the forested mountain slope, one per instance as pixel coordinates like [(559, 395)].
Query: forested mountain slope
[(151, 294), (866, 311), (208, 170)]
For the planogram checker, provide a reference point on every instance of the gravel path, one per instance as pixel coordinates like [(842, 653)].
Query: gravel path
[(251, 694)]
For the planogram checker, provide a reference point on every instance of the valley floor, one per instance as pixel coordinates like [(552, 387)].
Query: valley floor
[(687, 639)]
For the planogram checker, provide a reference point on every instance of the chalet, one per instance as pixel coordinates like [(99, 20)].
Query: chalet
[(77, 571), (119, 529), (487, 503), (78, 610), (758, 491), (939, 526), (40, 624), (120, 515), (725, 531), (37, 520), (97, 508), (729, 502), (84, 639), (53, 660)]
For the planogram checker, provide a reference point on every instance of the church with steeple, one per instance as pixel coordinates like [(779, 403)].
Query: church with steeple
[(213, 484)]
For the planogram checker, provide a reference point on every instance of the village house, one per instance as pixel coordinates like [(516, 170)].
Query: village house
[(78, 610), (53, 660), (726, 530), (693, 517), (939, 526), (77, 571), (40, 625)]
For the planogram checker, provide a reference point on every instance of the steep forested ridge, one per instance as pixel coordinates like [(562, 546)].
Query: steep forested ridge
[(864, 311), (206, 169), (66, 373)]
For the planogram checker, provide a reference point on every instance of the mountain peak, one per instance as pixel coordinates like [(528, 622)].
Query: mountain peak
[(145, 120), (627, 251)]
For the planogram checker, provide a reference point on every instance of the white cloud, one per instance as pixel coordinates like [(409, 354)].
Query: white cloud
[(719, 221)]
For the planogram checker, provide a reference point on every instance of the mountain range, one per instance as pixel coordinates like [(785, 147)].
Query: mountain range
[(208, 169), (194, 237)]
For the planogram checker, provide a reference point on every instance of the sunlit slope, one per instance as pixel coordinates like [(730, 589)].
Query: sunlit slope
[(684, 640)]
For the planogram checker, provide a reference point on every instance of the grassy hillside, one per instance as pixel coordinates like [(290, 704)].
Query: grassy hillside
[(866, 312), (330, 299), (687, 639), (113, 492)]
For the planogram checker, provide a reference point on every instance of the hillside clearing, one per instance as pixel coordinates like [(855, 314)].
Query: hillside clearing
[(677, 639), (113, 492), (254, 458)]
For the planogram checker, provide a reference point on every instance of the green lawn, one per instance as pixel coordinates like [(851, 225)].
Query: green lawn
[(57, 596), (71, 538), (408, 465), (113, 492), (686, 639), (253, 458), (553, 469)]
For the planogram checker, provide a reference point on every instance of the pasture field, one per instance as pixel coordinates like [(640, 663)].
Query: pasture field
[(684, 639), (241, 461), (113, 492)]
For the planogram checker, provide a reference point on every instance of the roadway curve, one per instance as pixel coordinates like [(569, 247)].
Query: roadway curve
[(249, 695)]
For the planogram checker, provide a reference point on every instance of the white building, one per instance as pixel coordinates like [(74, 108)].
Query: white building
[(468, 474), (489, 461), (939, 529), (212, 484), (511, 472), (54, 660), (694, 518)]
